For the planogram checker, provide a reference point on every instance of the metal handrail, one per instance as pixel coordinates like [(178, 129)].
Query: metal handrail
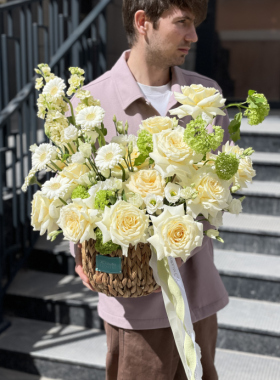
[(14, 4), (15, 103)]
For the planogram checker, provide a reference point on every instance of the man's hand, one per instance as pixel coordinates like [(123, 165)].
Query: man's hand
[(79, 268), (179, 264)]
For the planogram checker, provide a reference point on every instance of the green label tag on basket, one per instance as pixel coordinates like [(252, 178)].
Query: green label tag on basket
[(108, 264)]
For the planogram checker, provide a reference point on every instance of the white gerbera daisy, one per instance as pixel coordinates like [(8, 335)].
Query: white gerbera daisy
[(58, 187), (55, 87), (90, 117), (42, 156), (172, 192), (108, 156)]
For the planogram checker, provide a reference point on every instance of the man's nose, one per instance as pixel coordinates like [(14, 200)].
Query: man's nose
[(192, 35)]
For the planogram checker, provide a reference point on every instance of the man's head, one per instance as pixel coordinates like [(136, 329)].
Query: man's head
[(154, 9)]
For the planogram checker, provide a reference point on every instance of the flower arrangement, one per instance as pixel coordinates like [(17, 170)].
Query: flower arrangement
[(157, 187)]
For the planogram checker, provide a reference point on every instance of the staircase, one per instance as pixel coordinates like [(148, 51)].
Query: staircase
[(56, 331)]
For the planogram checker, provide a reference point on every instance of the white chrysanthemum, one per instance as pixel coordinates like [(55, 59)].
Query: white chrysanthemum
[(172, 192), (42, 156), (58, 187), (90, 117), (78, 158), (55, 88), (153, 203), (71, 133), (108, 156)]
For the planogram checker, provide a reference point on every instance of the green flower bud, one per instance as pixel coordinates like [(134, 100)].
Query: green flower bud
[(258, 108), (104, 248), (102, 199), (226, 165), (80, 192), (145, 142)]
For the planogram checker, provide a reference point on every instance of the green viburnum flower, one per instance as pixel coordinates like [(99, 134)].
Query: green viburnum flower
[(198, 138), (145, 142), (258, 108), (226, 165), (102, 199), (80, 192), (104, 249)]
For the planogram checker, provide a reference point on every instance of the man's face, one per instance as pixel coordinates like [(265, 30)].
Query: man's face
[(169, 43)]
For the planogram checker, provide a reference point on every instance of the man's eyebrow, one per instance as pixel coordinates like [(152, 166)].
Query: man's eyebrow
[(185, 17)]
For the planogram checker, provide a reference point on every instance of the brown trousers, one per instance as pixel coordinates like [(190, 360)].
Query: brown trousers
[(152, 354)]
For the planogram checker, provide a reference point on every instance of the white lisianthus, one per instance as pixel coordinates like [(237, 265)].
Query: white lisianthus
[(124, 140), (44, 213), (172, 155), (213, 193), (124, 224), (175, 234), (91, 136), (153, 203), (42, 156), (188, 193), (58, 187), (90, 117), (172, 192), (71, 133), (212, 233), (158, 124), (78, 158), (235, 207), (55, 87), (217, 221), (197, 100), (108, 156), (78, 222), (135, 199), (85, 149), (146, 182)]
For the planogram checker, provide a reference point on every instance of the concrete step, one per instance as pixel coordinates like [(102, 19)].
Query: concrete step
[(249, 275), (267, 166), (8, 374), (262, 197), (52, 297), (250, 326), (53, 350), (233, 365), (250, 233)]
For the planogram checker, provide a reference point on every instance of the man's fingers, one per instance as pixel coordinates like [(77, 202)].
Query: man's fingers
[(81, 274)]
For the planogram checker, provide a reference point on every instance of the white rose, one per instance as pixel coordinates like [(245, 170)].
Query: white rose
[(198, 100), (70, 133), (153, 203), (77, 221), (43, 216), (172, 155), (245, 172), (124, 224), (85, 148), (78, 158), (235, 207), (74, 171), (175, 234), (146, 182), (157, 124), (172, 192)]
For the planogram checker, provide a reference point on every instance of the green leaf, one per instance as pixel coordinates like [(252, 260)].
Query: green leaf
[(234, 127), (113, 200), (140, 159), (151, 161), (101, 139), (251, 92), (124, 196), (64, 157), (103, 129)]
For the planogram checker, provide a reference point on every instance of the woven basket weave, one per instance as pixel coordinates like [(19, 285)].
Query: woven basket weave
[(136, 279)]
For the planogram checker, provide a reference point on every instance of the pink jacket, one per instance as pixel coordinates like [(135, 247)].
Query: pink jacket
[(121, 96)]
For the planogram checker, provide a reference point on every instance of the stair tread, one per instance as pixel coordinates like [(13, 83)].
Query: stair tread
[(266, 158), (252, 223), (51, 286), (232, 365), (251, 315), (69, 344), (8, 374), (251, 265), (262, 188)]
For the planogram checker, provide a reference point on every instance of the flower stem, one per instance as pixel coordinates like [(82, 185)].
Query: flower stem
[(70, 147), (63, 201), (123, 172), (72, 110), (57, 168)]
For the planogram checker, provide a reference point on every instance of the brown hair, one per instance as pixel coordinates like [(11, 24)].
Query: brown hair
[(155, 8)]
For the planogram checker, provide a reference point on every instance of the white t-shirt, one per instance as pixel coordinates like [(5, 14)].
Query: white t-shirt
[(158, 96)]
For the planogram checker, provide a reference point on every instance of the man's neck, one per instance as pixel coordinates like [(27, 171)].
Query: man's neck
[(146, 73)]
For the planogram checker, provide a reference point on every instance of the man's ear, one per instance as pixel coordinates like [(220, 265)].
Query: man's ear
[(141, 23)]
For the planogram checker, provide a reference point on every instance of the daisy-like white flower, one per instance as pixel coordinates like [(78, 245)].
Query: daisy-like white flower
[(58, 187), (90, 117), (172, 192), (108, 156), (153, 203), (55, 87), (42, 156)]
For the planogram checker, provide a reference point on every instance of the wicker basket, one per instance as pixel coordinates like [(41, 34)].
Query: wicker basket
[(136, 279)]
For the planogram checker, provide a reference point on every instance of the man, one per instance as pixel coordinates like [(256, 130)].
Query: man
[(140, 85)]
